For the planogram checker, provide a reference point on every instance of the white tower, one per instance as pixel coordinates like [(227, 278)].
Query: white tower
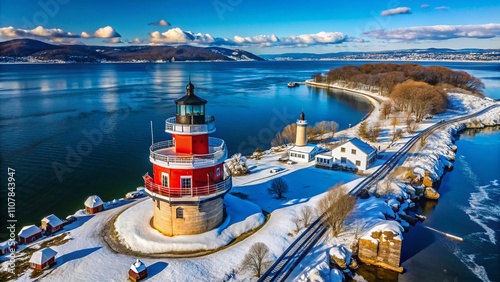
[(301, 137)]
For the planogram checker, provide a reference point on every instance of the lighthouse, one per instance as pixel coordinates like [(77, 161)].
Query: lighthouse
[(189, 178), (302, 152), (301, 137)]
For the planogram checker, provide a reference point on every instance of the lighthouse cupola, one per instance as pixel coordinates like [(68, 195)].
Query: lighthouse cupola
[(190, 108)]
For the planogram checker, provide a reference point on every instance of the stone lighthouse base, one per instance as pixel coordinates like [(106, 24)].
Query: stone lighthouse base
[(132, 233), (187, 217)]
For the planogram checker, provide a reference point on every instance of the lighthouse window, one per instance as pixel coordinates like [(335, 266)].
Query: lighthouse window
[(181, 110), (179, 212), (165, 179), (185, 181), (198, 110)]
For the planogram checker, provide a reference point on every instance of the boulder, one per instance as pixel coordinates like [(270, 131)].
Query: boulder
[(431, 194), (427, 181), (339, 257)]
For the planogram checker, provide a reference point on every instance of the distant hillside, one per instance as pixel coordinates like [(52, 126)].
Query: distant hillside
[(28, 50), (404, 55)]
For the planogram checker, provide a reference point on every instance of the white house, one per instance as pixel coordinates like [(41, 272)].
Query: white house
[(353, 153), (302, 154)]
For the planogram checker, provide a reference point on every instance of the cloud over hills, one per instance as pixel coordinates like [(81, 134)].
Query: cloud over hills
[(437, 32), (178, 36)]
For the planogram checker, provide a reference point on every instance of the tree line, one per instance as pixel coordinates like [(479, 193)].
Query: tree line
[(385, 76)]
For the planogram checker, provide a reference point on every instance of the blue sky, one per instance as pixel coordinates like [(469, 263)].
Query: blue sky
[(262, 27)]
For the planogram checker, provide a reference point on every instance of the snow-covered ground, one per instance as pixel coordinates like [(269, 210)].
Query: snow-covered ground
[(87, 257)]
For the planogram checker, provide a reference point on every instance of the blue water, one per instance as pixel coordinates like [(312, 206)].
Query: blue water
[(468, 208)]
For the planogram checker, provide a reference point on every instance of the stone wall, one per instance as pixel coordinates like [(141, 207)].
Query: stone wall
[(382, 249), (196, 218)]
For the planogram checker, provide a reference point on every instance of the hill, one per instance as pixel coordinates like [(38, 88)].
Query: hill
[(29, 50), (403, 55)]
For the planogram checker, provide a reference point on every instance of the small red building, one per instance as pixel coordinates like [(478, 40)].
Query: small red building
[(93, 204), (51, 224), (137, 271), (43, 259), (29, 234), (7, 246)]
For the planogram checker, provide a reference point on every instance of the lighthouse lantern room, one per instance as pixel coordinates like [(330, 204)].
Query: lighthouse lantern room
[(189, 177)]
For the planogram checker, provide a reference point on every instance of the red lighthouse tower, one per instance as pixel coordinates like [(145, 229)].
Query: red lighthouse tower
[(189, 178)]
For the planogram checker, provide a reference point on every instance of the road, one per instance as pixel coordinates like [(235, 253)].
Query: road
[(292, 256)]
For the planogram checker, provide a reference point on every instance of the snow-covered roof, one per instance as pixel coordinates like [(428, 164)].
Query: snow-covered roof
[(138, 266), (42, 256), (28, 231), (93, 201), (324, 156), (364, 147), (303, 149), (388, 225), (52, 220)]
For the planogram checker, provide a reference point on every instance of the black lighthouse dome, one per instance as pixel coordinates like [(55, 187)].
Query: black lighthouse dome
[(190, 108)]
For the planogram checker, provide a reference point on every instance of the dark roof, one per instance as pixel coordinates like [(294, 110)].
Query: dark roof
[(190, 98)]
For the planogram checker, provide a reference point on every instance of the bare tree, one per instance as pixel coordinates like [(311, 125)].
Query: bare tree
[(306, 215), (396, 134), (394, 121), (335, 206), (411, 125), (386, 109), (257, 260), (363, 130), (278, 188)]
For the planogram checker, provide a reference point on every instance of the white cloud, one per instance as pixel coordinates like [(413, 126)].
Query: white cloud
[(137, 41), (442, 8), (85, 35), (106, 32), (425, 6), (178, 36), (160, 23), (260, 40), (396, 11), (437, 32), (319, 38), (37, 32)]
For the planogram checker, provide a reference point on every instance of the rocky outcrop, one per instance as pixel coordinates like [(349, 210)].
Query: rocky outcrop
[(431, 194)]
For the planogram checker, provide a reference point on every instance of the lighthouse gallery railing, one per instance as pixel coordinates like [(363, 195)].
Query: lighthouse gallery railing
[(172, 125), (175, 192), (216, 146)]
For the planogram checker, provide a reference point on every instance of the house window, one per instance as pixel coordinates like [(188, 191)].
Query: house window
[(165, 180), (185, 181), (179, 212), (342, 149), (343, 160), (217, 172), (353, 151), (358, 163)]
